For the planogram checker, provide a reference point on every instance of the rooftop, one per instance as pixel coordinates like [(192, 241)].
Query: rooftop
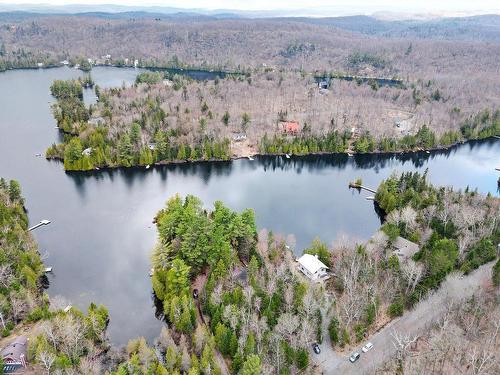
[(405, 248), (15, 350), (311, 263)]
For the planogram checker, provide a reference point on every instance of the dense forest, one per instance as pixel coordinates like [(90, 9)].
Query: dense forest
[(251, 305), (239, 43), (167, 117), (20, 265)]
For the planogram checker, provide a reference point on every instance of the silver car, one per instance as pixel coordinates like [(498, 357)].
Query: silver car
[(354, 357)]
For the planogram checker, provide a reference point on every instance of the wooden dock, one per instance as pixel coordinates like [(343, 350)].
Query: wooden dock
[(43, 222), (358, 186)]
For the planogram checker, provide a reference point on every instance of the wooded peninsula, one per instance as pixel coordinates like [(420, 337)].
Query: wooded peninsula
[(167, 117)]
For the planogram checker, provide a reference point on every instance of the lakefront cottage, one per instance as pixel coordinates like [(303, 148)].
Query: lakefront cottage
[(290, 127), (312, 267), (14, 355)]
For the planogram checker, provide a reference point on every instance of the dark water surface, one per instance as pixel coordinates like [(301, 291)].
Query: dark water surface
[(101, 234)]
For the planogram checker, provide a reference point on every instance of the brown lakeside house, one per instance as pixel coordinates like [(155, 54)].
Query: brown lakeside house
[(14, 355)]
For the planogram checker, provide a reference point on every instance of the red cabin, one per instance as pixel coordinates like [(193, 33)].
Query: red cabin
[(290, 127)]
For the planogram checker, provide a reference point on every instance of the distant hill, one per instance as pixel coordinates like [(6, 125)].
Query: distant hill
[(484, 27)]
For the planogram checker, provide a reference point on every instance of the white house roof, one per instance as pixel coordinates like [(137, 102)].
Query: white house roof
[(311, 263)]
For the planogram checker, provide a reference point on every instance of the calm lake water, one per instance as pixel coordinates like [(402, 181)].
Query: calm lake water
[(101, 235)]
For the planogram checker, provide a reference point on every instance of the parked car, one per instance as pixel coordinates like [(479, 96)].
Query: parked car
[(195, 293), (354, 357), (316, 348), (368, 346)]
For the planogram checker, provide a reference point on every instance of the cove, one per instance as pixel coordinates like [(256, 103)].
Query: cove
[(102, 234)]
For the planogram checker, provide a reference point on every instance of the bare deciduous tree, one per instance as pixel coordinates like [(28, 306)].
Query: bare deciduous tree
[(47, 359)]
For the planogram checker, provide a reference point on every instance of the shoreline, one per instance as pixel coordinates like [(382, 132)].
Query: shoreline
[(152, 68), (258, 155)]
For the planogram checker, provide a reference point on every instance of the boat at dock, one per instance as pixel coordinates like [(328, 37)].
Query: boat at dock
[(287, 156), (250, 158)]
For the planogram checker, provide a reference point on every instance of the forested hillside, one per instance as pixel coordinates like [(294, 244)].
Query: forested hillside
[(245, 43), (20, 265)]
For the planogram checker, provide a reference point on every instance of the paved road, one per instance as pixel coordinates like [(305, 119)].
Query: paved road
[(415, 322)]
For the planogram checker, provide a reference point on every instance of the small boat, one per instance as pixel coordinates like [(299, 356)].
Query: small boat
[(97, 168), (250, 158), (147, 166), (287, 156), (38, 155), (151, 272), (349, 154), (427, 152), (67, 308), (48, 269), (370, 198)]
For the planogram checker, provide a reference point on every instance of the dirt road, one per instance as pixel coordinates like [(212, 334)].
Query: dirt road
[(415, 322)]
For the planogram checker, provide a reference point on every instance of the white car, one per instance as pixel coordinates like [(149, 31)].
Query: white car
[(367, 347)]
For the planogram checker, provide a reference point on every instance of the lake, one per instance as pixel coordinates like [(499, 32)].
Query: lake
[(101, 236)]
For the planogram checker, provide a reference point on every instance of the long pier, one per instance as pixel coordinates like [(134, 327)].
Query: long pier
[(358, 186)]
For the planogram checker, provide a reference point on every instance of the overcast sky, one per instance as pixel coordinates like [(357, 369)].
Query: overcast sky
[(368, 5)]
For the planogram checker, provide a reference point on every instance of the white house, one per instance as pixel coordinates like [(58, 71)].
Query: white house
[(312, 267)]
